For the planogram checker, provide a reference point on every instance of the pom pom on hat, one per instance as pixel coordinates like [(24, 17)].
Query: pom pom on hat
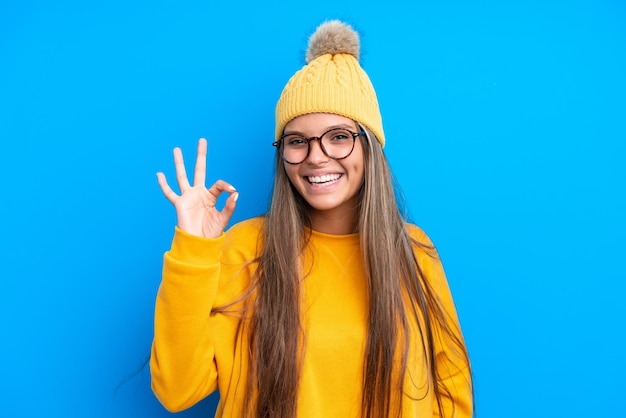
[(333, 37), (332, 81)]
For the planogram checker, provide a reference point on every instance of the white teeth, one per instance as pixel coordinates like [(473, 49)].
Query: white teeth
[(326, 178)]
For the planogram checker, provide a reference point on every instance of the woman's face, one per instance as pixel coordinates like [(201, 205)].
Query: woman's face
[(329, 186)]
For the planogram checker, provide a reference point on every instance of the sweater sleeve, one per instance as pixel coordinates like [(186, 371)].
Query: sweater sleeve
[(452, 366), (182, 362)]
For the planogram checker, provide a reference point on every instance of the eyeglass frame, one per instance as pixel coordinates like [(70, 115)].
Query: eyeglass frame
[(280, 141)]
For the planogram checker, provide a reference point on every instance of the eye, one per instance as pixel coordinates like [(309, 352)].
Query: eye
[(294, 141), (340, 136)]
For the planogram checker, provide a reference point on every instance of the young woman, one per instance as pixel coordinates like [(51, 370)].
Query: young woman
[(330, 305)]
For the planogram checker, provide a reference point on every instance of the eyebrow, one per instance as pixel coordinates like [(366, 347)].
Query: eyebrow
[(328, 128)]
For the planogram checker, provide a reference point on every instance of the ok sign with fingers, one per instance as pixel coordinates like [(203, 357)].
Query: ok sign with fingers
[(195, 206)]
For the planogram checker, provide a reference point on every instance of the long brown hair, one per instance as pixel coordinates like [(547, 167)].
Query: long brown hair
[(398, 291)]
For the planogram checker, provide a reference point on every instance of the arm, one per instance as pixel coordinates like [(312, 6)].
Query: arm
[(452, 365), (182, 362)]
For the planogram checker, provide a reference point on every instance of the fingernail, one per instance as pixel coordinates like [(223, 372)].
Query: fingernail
[(236, 197), (232, 189)]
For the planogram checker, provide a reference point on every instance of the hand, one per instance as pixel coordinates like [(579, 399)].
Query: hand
[(195, 207)]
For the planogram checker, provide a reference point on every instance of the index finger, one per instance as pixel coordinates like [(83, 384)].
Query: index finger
[(199, 174)]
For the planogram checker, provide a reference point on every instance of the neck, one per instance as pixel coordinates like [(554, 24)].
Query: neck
[(334, 222)]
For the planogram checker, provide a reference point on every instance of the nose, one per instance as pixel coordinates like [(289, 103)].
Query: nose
[(316, 154)]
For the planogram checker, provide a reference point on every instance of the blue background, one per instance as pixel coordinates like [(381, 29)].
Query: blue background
[(506, 129)]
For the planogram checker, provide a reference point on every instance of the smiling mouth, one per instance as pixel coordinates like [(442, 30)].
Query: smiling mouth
[(323, 180)]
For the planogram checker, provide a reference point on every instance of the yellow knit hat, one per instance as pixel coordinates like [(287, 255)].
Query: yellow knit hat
[(332, 81)]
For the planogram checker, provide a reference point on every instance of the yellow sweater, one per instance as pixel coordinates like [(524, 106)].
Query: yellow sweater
[(195, 352)]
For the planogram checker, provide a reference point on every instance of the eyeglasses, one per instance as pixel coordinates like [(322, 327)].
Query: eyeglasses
[(337, 143)]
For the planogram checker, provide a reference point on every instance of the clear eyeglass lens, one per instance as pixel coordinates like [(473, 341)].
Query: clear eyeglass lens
[(337, 143)]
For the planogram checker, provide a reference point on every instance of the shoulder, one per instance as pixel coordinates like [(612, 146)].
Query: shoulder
[(246, 228), (418, 236), (428, 258), (243, 239), (425, 251)]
